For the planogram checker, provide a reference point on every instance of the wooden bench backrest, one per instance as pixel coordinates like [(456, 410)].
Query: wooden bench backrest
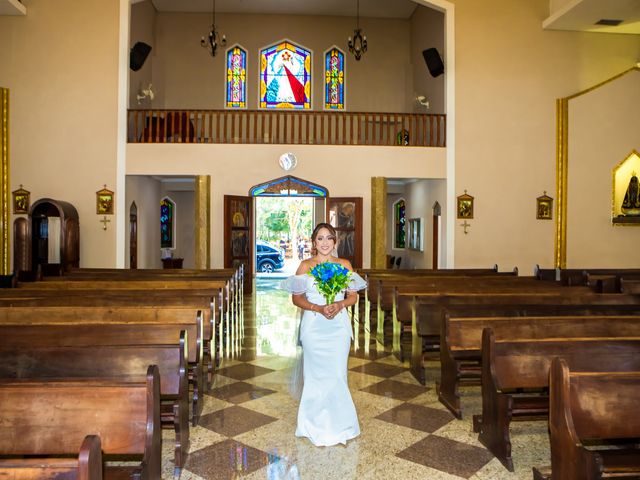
[(79, 335), (116, 284), (466, 333), (593, 405), (53, 417), (93, 361), (525, 363)]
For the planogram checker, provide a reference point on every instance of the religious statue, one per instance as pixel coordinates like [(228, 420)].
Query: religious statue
[(631, 202)]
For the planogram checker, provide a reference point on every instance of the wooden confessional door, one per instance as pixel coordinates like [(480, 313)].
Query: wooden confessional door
[(345, 215), (238, 236)]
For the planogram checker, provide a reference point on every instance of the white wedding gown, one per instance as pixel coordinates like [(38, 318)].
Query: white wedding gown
[(327, 415)]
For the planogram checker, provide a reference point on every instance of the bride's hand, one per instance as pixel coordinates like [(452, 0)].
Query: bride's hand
[(331, 310)]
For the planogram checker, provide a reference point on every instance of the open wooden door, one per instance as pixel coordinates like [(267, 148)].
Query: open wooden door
[(238, 236), (345, 215)]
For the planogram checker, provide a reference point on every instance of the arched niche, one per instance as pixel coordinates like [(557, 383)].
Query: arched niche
[(49, 239)]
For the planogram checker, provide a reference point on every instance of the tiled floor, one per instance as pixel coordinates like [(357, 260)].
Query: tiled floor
[(248, 422)]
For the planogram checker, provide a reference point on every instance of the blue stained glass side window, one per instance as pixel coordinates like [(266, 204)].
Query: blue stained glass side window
[(400, 224), (167, 209), (236, 78), (334, 80)]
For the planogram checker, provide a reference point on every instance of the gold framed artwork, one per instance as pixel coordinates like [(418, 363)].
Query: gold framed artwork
[(465, 206), (544, 207), (104, 202), (21, 200)]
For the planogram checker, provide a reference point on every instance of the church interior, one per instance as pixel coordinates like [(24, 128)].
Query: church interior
[(464, 151)]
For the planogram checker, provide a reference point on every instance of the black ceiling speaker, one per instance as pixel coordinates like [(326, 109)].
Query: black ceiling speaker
[(433, 61), (138, 55)]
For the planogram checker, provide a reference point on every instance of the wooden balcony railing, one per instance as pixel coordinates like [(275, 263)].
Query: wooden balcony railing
[(286, 127)]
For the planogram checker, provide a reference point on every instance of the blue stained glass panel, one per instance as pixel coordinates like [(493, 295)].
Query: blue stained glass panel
[(166, 223), (236, 78), (334, 80)]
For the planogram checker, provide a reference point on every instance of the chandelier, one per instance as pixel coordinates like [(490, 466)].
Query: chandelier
[(358, 44), (213, 40)]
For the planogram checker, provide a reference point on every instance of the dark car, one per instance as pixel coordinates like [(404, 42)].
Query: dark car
[(268, 257)]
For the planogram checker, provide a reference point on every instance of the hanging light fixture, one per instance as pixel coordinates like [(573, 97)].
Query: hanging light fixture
[(213, 40), (358, 44)]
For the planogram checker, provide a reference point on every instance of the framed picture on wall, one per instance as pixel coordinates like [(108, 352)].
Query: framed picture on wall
[(104, 202), (415, 234), (21, 201), (544, 207), (465, 206)]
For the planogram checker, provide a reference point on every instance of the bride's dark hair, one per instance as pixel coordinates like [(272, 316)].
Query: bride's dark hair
[(329, 227)]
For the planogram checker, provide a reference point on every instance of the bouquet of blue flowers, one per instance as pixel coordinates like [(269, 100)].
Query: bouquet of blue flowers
[(331, 279)]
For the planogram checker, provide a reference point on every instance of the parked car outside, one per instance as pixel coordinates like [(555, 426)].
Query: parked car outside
[(269, 258)]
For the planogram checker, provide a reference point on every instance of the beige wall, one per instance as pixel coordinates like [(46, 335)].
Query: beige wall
[(188, 77), (508, 74), (427, 31), (61, 65), (603, 131), (145, 191), (142, 29), (234, 169)]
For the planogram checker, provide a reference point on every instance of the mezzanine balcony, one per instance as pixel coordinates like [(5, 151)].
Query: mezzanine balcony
[(287, 127)]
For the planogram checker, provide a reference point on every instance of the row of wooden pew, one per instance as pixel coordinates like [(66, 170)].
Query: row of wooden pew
[(503, 331), (74, 344)]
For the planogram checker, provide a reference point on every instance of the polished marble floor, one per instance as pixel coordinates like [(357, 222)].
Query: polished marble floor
[(248, 422)]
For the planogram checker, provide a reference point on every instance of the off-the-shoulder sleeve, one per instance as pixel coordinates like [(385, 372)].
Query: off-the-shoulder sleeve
[(356, 282), (295, 284)]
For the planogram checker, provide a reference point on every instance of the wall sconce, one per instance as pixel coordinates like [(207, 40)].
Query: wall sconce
[(146, 93), (422, 100)]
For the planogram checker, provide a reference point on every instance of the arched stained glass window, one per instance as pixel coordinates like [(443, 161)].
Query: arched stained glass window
[(285, 77), (167, 221), (400, 224), (236, 77), (334, 80)]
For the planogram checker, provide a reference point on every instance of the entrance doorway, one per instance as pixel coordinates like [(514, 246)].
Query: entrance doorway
[(283, 233)]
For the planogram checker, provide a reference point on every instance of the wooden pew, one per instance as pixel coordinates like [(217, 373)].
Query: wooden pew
[(462, 325), (212, 330), (425, 310), (510, 367), (595, 408), (44, 361), (110, 326), (87, 465), (51, 418)]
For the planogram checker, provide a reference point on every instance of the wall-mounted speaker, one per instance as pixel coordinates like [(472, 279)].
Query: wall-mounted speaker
[(138, 55), (434, 61)]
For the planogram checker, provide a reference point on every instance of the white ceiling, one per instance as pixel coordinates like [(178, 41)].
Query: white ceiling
[(582, 15), (342, 8)]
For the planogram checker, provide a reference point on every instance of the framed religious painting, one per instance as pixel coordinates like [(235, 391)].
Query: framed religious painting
[(544, 207), (465, 206), (104, 202), (21, 201)]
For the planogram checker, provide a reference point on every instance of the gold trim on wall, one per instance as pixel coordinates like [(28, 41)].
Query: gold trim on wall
[(4, 194), (562, 167), (378, 222), (203, 221)]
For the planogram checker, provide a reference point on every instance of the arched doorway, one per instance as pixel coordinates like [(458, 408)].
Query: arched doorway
[(133, 236), (49, 240)]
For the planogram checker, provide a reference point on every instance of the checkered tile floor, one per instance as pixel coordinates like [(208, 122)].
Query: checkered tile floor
[(248, 423)]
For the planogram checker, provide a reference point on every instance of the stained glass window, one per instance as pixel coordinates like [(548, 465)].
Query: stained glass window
[(285, 77), (236, 78), (400, 225), (167, 209), (334, 80)]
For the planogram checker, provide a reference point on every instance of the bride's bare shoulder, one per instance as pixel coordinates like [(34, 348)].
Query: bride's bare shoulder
[(304, 267), (345, 263)]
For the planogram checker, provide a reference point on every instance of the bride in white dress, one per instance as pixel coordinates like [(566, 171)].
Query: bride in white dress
[(327, 415)]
